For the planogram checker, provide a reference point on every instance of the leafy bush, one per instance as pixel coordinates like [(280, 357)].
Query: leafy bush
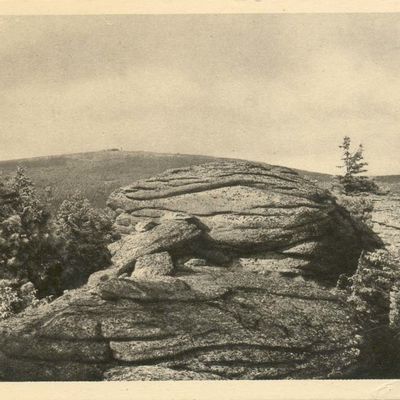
[(357, 184), (360, 207), (84, 233), (394, 313), (374, 294), (377, 273), (27, 245), (9, 300), (14, 299), (45, 254)]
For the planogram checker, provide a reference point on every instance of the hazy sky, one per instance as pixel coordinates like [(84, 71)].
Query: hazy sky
[(282, 89)]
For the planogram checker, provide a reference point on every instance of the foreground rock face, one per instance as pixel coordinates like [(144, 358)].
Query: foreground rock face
[(218, 277), (212, 324)]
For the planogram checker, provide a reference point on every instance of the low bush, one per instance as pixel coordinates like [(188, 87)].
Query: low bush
[(351, 182), (359, 207), (84, 233), (374, 293), (9, 300), (357, 185), (15, 298), (52, 254), (27, 243)]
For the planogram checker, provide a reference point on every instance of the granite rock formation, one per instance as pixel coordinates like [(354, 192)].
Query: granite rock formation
[(244, 210), (257, 302)]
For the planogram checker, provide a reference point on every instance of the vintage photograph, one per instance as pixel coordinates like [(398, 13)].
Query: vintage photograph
[(199, 197)]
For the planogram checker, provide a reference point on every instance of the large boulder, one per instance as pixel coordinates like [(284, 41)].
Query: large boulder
[(247, 208), (215, 323)]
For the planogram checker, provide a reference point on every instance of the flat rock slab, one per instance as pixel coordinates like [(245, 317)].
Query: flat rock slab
[(212, 324), (170, 235), (273, 263), (196, 262), (152, 266)]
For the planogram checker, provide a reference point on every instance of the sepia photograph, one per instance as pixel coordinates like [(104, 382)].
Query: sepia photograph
[(199, 197)]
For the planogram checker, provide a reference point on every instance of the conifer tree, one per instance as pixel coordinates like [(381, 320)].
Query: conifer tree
[(354, 165)]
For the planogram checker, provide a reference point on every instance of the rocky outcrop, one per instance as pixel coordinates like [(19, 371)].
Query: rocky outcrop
[(246, 208), (226, 271), (215, 323), (385, 220)]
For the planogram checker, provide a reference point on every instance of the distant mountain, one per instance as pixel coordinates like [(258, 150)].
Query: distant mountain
[(97, 174)]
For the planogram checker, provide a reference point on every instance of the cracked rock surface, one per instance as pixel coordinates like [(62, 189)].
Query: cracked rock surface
[(385, 219), (244, 326)]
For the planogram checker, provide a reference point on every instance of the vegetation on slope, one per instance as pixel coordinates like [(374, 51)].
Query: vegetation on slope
[(96, 174), (43, 254)]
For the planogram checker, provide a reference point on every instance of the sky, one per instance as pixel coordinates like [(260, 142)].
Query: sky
[(281, 89)]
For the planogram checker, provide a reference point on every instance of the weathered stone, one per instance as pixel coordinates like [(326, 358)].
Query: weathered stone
[(102, 276), (246, 207), (207, 321), (170, 235), (71, 327), (162, 288), (152, 266), (57, 349), (114, 247), (144, 226), (302, 249), (177, 216), (12, 369), (225, 322), (196, 262), (154, 373), (123, 230), (27, 288), (124, 219), (385, 221), (273, 263)]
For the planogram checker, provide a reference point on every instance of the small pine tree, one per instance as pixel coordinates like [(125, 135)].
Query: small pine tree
[(354, 164)]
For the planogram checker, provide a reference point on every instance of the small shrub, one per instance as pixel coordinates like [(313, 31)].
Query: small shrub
[(14, 299), (357, 185), (83, 233), (9, 300), (359, 207), (353, 165), (52, 254), (374, 295), (376, 274), (394, 313), (27, 245)]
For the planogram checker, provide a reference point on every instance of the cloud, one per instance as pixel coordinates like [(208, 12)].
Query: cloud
[(279, 89)]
